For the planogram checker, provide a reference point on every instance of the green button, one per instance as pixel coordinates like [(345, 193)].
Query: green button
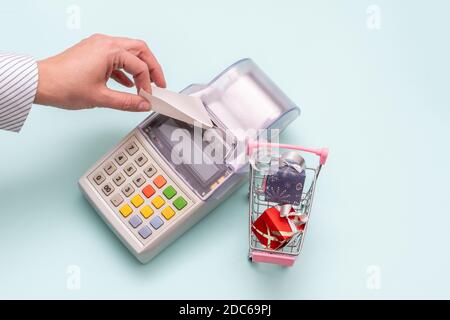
[(169, 192), (180, 203)]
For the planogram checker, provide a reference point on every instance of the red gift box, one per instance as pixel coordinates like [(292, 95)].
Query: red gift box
[(265, 235), (274, 230)]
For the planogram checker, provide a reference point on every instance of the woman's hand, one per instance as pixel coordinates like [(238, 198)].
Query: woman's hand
[(76, 78)]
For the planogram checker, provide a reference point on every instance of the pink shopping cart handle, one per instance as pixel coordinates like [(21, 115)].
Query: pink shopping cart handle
[(322, 153), (274, 258)]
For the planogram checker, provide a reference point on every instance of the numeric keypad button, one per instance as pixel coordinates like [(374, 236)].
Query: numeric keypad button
[(119, 179), (150, 171), (116, 199), (139, 180), (110, 168), (107, 189), (140, 160), (120, 158), (99, 178), (130, 169), (128, 190), (131, 148)]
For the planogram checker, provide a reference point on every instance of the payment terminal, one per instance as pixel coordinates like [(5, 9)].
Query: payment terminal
[(148, 197)]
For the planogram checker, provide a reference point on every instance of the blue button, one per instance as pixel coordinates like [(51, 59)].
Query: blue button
[(145, 232), (156, 222), (135, 221)]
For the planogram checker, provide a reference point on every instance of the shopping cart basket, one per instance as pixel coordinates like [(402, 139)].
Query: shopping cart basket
[(262, 155)]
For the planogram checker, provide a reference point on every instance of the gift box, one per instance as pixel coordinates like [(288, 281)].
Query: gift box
[(266, 237), (286, 185), (276, 226)]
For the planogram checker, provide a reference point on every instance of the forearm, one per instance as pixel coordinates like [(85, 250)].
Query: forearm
[(18, 86)]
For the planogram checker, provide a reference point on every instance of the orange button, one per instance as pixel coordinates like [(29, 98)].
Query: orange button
[(159, 181), (148, 191)]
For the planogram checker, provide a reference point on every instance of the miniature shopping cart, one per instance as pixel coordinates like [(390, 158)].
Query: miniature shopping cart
[(261, 156)]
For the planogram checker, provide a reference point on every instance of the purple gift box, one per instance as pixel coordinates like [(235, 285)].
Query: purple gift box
[(286, 185)]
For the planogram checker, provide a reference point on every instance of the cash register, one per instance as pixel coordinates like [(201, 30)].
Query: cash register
[(149, 193)]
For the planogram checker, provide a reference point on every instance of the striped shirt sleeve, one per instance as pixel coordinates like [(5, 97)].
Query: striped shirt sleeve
[(18, 85)]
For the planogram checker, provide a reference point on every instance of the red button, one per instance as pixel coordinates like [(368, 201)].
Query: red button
[(148, 191)]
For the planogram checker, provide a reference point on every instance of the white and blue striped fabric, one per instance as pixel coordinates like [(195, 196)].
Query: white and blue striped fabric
[(18, 85)]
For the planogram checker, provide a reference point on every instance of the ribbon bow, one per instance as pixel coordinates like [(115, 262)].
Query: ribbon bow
[(294, 219)]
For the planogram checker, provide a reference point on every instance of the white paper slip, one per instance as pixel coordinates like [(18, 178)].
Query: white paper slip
[(178, 106)]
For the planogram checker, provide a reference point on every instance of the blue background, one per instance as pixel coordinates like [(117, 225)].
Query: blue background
[(378, 98)]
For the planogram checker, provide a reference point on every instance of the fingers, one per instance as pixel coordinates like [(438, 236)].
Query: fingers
[(122, 78), (137, 68), (156, 73), (141, 50), (109, 98)]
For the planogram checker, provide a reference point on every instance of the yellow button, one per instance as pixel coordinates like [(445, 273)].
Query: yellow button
[(158, 202), (126, 210), (168, 212), (146, 211), (137, 200)]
